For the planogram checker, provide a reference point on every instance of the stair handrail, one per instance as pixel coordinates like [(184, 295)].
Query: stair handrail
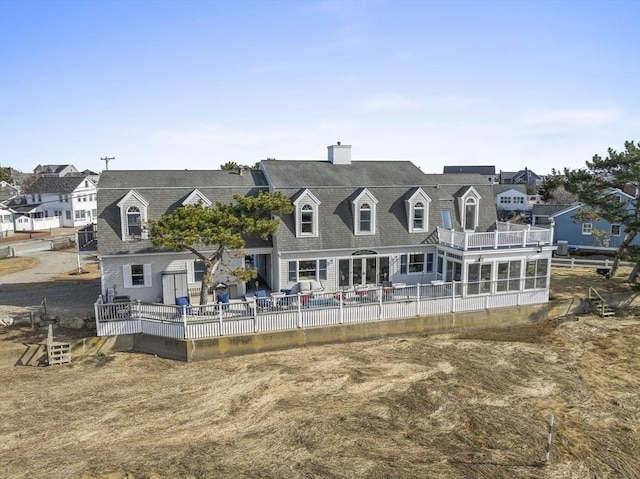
[(596, 294)]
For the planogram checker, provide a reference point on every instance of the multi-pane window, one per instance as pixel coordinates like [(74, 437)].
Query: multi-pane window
[(470, 214), (418, 216), (137, 275), (307, 269), (518, 200), (365, 218), (134, 223), (306, 220), (536, 274), (615, 230), (509, 276), (80, 214), (479, 278), (505, 199), (587, 228), (198, 271), (67, 214), (416, 263)]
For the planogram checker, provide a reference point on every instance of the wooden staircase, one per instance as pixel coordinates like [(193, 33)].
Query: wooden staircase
[(598, 304), (57, 352)]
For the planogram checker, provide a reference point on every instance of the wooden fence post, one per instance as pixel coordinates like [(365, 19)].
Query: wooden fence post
[(549, 436)]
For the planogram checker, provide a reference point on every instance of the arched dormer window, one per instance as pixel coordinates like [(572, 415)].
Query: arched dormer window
[(133, 216), (470, 214), (365, 221), (307, 212), (364, 213), (306, 220), (417, 208), (134, 221)]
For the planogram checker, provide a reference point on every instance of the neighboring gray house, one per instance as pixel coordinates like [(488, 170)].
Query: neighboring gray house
[(7, 191), (583, 235), (541, 213), (489, 172), (525, 177), (355, 224), (55, 170)]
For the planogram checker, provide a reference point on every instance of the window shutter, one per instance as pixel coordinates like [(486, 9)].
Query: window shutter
[(126, 275), (147, 274)]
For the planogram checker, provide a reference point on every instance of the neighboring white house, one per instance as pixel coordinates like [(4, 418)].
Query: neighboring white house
[(68, 201), (6, 221), (512, 200)]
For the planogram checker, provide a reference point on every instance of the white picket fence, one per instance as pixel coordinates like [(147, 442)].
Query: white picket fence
[(282, 313)]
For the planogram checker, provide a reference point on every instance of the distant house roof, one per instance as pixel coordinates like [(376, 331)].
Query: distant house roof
[(547, 210), (481, 170), (497, 189), (55, 185), (54, 169)]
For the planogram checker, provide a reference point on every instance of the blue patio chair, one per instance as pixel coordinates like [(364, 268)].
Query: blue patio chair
[(223, 300), (185, 305), (262, 300)]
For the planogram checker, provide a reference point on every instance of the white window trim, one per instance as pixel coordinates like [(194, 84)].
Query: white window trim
[(133, 199), (410, 203), (471, 193), (196, 197), (306, 198), (365, 197), (619, 229), (587, 229), (127, 280)]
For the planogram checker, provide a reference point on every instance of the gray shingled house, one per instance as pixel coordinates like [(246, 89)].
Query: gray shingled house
[(356, 225)]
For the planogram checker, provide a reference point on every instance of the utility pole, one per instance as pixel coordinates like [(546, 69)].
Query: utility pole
[(106, 159)]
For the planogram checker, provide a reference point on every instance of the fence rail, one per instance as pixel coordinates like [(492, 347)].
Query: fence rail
[(282, 312)]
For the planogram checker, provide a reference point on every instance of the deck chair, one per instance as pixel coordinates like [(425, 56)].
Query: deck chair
[(185, 305)]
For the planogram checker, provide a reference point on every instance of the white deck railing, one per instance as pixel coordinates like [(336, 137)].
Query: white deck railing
[(506, 235), (299, 311)]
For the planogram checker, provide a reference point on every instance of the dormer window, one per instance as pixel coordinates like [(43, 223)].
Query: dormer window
[(306, 211), (133, 216), (196, 198), (365, 218), (468, 202), (134, 221), (417, 207), (470, 213), (364, 213), (306, 220)]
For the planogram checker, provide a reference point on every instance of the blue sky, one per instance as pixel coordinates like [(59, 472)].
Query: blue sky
[(194, 84)]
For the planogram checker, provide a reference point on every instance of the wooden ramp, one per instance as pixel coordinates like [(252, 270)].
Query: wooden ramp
[(599, 305), (57, 352)]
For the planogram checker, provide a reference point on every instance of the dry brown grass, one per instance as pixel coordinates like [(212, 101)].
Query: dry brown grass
[(13, 265), (88, 271), (467, 405), (418, 407)]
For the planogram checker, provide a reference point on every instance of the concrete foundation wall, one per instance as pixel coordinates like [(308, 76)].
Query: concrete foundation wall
[(211, 348), (204, 349)]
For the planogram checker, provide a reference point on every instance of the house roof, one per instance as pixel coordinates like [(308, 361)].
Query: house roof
[(55, 185), (498, 189), (165, 190), (547, 210), (334, 186), (481, 170), (390, 182)]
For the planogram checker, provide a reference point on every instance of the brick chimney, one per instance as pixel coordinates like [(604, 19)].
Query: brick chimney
[(340, 154)]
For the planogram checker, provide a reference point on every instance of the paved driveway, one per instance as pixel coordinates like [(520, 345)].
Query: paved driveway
[(24, 291)]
